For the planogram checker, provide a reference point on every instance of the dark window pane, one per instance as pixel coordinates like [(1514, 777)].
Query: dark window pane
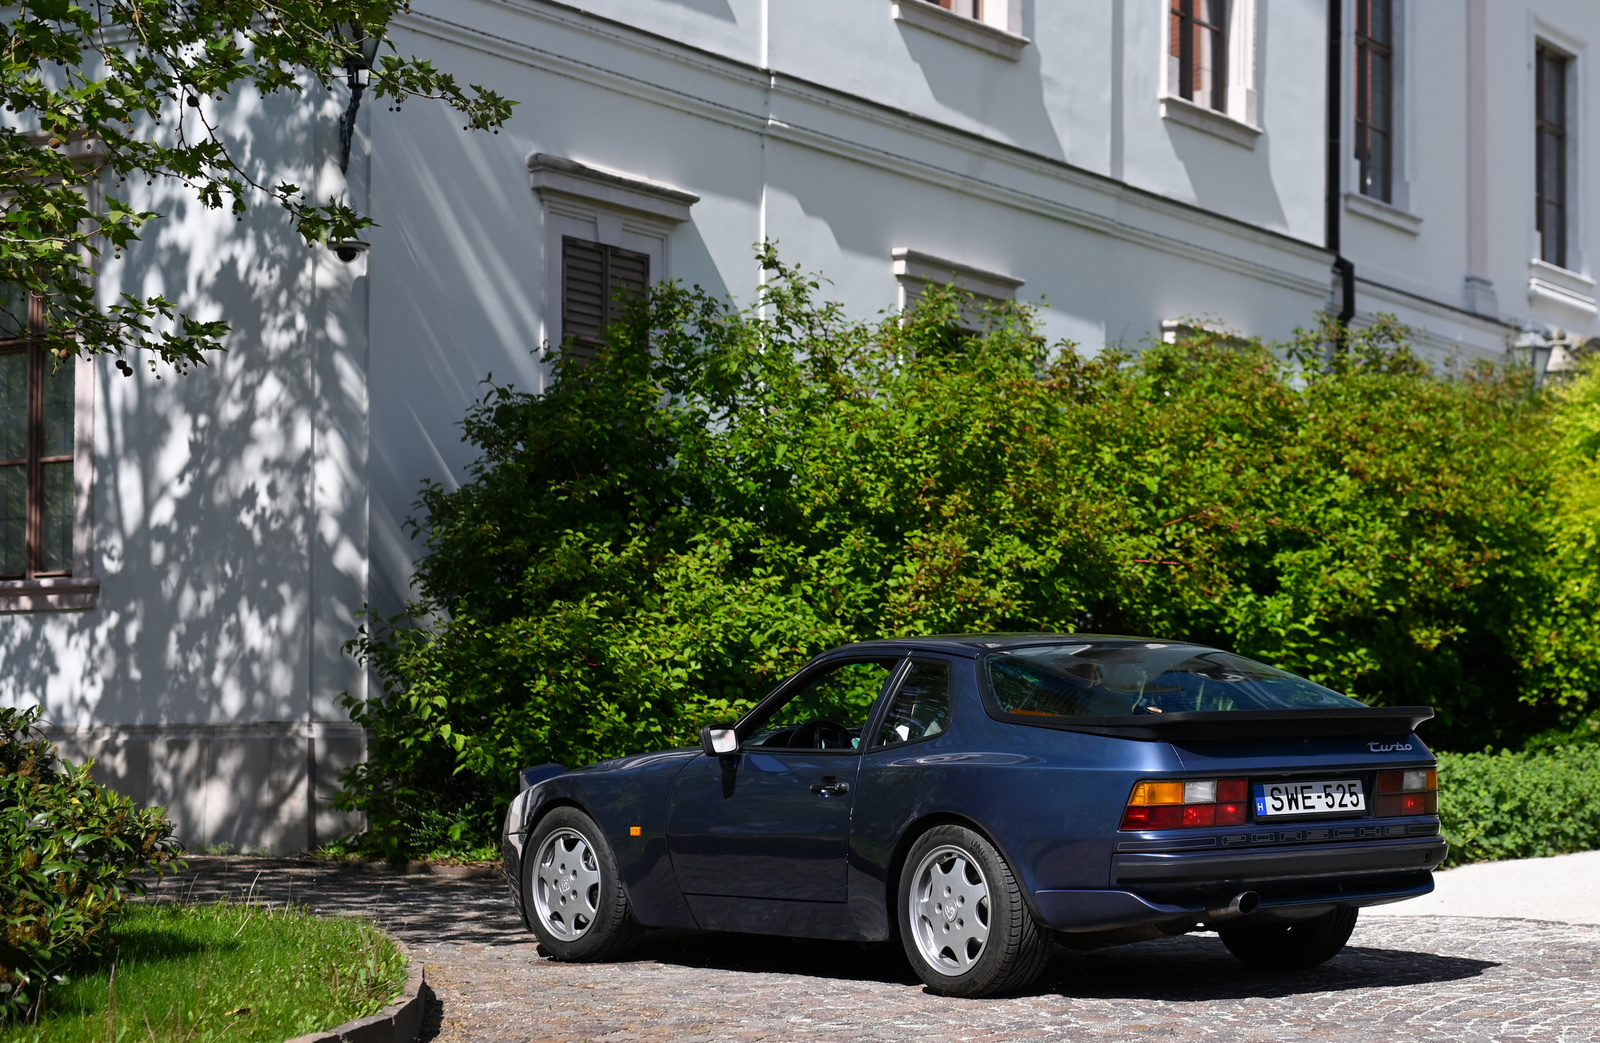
[(828, 713), (13, 311), (13, 520), (1381, 80), (1380, 24), (60, 385), (921, 707), (1378, 152), (14, 406), (55, 530), (1550, 157)]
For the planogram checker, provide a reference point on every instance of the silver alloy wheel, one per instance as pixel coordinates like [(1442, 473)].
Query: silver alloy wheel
[(950, 910), (566, 884)]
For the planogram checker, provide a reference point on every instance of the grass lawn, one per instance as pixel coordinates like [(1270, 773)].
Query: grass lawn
[(245, 973)]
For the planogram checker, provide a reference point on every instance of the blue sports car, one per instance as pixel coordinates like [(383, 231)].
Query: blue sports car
[(983, 797)]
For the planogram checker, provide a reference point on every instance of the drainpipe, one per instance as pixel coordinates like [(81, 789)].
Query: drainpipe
[(1334, 201)]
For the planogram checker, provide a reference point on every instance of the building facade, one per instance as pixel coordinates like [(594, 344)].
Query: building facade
[(1134, 165)]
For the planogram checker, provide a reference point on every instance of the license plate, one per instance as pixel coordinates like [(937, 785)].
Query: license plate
[(1287, 799)]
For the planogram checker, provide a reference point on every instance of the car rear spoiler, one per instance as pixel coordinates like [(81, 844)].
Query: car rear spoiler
[(1242, 724)]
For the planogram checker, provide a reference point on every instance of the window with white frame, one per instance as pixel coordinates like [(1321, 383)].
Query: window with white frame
[(606, 239), (1209, 80)]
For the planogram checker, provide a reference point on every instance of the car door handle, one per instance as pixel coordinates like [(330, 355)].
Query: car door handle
[(830, 786)]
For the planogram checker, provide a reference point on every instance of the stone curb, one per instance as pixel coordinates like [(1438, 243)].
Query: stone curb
[(399, 1022)]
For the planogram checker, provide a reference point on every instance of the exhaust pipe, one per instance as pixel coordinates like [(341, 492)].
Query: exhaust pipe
[(1242, 904)]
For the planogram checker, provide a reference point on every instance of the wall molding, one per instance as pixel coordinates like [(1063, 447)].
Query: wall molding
[(1113, 199)]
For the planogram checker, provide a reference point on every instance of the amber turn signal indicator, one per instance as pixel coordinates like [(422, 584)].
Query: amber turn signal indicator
[(635, 831)]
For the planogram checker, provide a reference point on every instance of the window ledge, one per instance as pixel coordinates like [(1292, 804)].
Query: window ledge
[(57, 594), (1198, 117), (1556, 285), (960, 28), (1383, 213)]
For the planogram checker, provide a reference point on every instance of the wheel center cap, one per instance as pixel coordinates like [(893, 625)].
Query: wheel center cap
[(949, 912)]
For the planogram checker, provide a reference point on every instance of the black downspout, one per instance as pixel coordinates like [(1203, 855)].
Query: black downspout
[(1335, 162)]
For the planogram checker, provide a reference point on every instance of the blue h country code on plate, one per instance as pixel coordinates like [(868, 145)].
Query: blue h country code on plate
[(1323, 797)]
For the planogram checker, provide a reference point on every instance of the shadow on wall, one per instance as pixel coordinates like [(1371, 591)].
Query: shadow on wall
[(203, 524), (1005, 98)]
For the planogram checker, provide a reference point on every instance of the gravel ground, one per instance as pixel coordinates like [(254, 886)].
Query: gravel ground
[(1402, 977)]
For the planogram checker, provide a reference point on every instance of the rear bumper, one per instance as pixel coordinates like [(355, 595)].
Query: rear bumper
[(1157, 888), (1143, 872)]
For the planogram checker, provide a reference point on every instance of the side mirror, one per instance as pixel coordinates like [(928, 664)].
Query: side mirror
[(719, 739)]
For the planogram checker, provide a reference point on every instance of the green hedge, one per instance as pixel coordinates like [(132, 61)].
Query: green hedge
[(68, 852), (1520, 805), (669, 528)]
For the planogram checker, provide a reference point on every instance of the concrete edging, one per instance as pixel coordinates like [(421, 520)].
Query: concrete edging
[(399, 1022)]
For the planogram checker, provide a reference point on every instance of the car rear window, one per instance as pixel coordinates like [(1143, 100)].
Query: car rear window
[(1090, 679)]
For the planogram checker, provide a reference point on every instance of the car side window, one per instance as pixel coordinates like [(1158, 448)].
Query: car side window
[(828, 712), (921, 708)]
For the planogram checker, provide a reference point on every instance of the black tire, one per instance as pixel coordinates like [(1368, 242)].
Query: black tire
[(1015, 949), (589, 920), (1290, 947)]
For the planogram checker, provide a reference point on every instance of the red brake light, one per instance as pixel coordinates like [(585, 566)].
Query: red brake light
[(1413, 792), (1191, 804)]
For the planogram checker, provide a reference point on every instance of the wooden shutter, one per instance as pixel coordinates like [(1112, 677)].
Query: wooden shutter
[(597, 281)]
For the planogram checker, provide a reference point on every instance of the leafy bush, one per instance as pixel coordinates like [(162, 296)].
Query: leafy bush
[(666, 531), (67, 849), (1520, 805)]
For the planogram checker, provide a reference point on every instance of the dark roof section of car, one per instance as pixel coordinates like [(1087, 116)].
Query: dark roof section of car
[(975, 645)]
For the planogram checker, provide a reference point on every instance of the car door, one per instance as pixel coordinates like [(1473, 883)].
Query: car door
[(772, 820)]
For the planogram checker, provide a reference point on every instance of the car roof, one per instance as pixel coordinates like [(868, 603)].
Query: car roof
[(977, 644)]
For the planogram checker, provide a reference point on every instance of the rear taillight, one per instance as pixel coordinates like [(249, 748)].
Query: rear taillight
[(1194, 804), (1412, 792)]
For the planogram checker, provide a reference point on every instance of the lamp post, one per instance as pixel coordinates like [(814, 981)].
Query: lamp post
[(363, 50)]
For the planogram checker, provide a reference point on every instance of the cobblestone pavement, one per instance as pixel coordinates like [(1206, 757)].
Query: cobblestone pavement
[(1401, 978)]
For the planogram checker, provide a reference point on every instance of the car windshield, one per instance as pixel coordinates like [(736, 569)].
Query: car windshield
[(1126, 678)]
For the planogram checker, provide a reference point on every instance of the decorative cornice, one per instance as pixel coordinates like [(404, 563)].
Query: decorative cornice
[(916, 266), (568, 177)]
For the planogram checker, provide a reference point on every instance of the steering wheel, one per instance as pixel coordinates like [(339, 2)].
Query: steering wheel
[(821, 734)]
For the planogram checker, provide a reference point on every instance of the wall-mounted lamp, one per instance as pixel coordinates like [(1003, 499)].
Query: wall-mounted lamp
[(1538, 347), (363, 51), (348, 250)]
